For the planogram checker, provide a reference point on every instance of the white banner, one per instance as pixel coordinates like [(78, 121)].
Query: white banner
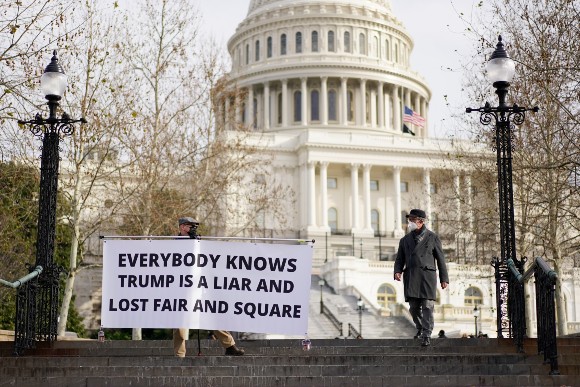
[(188, 283)]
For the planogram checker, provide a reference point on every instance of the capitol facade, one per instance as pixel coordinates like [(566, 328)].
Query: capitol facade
[(326, 90)]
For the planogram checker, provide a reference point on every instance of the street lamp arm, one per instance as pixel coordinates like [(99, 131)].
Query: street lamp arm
[(491, 115)]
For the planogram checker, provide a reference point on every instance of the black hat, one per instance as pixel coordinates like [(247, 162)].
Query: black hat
[(418, 213), (187, 220)]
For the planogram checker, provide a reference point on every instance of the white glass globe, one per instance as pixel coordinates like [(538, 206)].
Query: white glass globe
[(53, 83), (500, 69)]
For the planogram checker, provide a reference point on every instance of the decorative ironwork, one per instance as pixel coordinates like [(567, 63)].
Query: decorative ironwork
[(37, 302)]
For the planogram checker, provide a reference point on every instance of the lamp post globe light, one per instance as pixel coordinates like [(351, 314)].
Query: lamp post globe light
[(37, 302), (500, 71), (475, 316)]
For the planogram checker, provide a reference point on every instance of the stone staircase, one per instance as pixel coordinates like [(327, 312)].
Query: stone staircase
[(330, 362)]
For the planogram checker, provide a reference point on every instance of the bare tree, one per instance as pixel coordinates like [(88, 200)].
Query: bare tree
[(182, 163), (90, 164), (542, 37), (28, 30)]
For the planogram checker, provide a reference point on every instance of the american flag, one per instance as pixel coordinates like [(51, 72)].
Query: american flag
[(413, 117)]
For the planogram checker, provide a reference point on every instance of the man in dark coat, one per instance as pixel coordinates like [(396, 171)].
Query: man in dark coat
[(418, 258)]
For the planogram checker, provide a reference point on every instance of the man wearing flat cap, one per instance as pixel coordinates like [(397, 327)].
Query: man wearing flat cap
[(188, 227), (419, 256)]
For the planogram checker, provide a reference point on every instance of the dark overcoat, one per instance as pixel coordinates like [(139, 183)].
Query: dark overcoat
[(419, 263)]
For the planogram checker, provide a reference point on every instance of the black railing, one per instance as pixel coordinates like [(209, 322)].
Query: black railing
[(545, 279), (352, 331), (337, 324), (510, 300)]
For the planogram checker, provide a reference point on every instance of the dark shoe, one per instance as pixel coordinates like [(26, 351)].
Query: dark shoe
[(234, 351), (418, 334), (426, 342)]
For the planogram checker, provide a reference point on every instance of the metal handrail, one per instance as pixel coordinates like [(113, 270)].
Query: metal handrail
[(16, 284), (205, 238), (352, 331), (337, 324), (516, 273)]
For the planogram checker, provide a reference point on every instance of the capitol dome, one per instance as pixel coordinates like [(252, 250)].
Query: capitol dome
[(310, 62), (328, 87)]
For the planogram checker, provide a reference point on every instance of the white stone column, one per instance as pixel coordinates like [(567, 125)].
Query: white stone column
[(324, 99), (343, 110), (457, 193), (267, 105), (396, 108), (367, 196), (228, 115), (424, 115), (354, 193), (284, 103), (304, 101), (407, 98), (417, 108), (238, 113), (311, 195), (373, 107), (324, 194), (397, 186), (468, 202), (381, 107), (250, 107), (363, 102), (427, 190)]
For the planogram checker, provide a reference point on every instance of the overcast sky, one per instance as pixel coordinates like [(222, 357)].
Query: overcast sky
[(434, 25)]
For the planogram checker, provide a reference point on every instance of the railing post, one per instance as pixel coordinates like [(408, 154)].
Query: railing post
[(546, 314)]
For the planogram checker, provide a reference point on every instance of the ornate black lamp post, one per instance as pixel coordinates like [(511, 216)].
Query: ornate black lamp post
[(475, 316), (500, 71), (37, 302), (321, 283), (361, 306)]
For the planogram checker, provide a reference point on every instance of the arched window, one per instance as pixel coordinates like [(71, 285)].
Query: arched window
[(247, 53), (332, 219), (387, 50), (298, 42), (297, 106), (362, 44), (332, 105), (376, 47), (314, 41), (375, 220), (315, 105), (331, 41), (473, 296), (396, 53), (386, 295), (280, 108), (350, 105), (283, 44), (257, 53), (347, 41), (269, 47), (243, 109)]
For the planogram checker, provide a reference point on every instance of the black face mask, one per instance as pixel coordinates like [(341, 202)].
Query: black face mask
[(193, 232)]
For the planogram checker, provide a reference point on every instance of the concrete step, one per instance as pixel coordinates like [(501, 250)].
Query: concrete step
[(336, 362), (147, 380)]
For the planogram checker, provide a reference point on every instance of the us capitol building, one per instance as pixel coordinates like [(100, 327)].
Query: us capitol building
[(323, 86)]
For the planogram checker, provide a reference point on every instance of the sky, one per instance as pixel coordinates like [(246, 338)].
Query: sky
[(434, 25)]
